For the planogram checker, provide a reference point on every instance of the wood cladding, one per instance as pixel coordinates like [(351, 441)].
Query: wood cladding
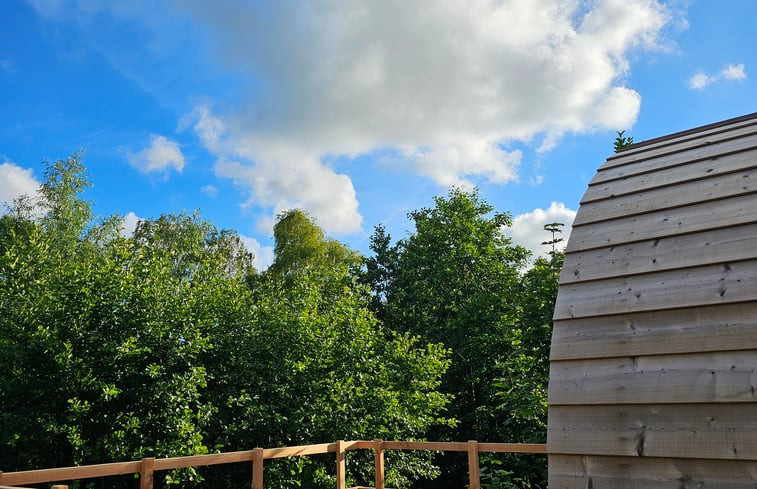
[(653, 378)]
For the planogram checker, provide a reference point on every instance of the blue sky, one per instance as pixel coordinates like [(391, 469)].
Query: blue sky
[(356, 111)]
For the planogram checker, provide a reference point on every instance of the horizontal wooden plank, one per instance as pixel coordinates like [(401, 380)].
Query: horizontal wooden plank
[(449, 446), (298, 451), (703, 431), (69, 473), (688, 287), (202, 460), (728, 327), (513, 447), (702, 190), (724, 213), (683, 140), (667, 253), (661, 379), (666, 177), (453, 446), (596, 472), (646, 162)]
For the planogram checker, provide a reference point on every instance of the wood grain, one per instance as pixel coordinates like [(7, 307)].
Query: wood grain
[(702, 150), (712, 431), (699, 329), (667, 177), (689, 287), (697, 217), (664, 253), (596, 472), (640, 202), (718, 377)]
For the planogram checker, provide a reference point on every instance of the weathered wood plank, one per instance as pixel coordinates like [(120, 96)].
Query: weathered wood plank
[(665, 177), (662, 379), (649, 161), (582, 472), (666, 253), (696, 286), (684, 140), (712, 431), (728, 327), (702, 190), (729, 212)]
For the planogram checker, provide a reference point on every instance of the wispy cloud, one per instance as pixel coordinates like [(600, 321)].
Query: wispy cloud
[(160, 156), (701, 80), (209, 190)]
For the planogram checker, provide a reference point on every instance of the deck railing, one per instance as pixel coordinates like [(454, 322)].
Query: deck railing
[(147, 467)]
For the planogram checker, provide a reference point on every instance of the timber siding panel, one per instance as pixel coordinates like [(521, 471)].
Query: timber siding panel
[(653, 378)]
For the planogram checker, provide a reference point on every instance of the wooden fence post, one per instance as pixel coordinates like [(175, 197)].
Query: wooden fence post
[(473, 473), (146, 473), (257, 468), (341, 466), (378, 450)]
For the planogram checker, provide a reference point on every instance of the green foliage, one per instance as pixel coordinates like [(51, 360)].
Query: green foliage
[(169, 343), (301, 244), (459, 281), (622, 142)]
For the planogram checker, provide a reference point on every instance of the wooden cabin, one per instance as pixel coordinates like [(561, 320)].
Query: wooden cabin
[(654, 351)]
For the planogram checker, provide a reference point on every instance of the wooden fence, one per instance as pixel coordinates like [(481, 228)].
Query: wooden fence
[(147, 467)]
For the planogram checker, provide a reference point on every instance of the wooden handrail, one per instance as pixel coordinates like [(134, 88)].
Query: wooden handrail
[(147, 466)]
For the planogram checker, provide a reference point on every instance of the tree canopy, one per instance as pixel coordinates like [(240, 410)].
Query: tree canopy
[(169, 342)]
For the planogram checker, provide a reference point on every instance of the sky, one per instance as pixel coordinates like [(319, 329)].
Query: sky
[(356, 111)]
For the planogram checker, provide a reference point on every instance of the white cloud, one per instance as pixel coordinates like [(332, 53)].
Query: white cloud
[(734, 72), (528, 229), (129, 224), (263, 254), (448, 84), (281, 177), (161, 155), (16, 181), (209, 190), (701, 80)]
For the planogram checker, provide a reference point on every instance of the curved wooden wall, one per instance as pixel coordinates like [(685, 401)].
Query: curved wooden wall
[(653, 380)]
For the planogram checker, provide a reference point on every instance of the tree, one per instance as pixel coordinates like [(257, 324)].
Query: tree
[(310, 363), (119, 348), (553, 227), (300, 244), (455, 281), (622, 142)]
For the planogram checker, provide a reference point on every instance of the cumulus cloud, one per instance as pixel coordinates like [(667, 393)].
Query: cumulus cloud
[(129, 224), (160, 156), (281, 177), (701, 80), (734, 72), (263, 255), (447, 85), (16, 181), (528, 229)]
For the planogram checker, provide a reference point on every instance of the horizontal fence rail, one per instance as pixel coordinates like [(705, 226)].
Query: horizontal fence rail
[(148, 466)]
